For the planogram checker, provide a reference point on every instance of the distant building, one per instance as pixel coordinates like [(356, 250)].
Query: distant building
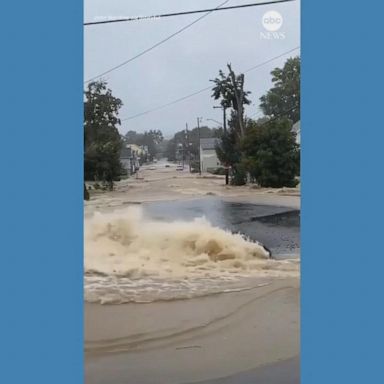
[(296, 128), (127, 159), (130, 156), (208, 156)]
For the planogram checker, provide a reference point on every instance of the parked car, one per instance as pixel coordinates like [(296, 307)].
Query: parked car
[(179, 168)]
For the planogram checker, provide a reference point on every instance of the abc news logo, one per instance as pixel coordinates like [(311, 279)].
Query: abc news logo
[(272, 22)]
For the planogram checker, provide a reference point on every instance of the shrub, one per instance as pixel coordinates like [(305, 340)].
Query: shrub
[(239, 175), (271, 155)]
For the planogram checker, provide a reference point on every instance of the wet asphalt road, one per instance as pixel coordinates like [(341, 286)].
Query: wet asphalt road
[(278, 228)]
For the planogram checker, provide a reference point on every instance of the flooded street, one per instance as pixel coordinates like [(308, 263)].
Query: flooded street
[(186, 247), (187, 260), (278, 228)]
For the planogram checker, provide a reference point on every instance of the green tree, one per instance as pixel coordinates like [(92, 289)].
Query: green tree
[(102, 141), (283, 99), (189, 141), (229, 154), (132, 137), (229, 89), (156, 136), (271, 155), (170, 151), (150, 139), (162, 149)]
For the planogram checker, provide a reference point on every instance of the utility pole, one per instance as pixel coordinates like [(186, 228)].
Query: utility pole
[(183, 151), (187, 146), (198, 130), (224, 108)]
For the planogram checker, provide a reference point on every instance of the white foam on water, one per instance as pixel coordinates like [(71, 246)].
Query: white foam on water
[(129, 258)]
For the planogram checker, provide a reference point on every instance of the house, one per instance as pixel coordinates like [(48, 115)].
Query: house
[(208, 157), (297, 129), (130, 156), (127, 159)]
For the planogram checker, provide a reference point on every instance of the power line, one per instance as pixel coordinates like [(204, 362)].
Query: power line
[(278, 116), (203, 90), (184, 13), (255, 114), (153, 46), (272, 59), (168, 104)]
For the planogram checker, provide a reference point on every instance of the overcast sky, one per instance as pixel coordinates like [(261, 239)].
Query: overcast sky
[(185, 63)]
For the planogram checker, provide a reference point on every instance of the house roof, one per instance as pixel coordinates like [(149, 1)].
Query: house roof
[(211, 143), (128, 149)]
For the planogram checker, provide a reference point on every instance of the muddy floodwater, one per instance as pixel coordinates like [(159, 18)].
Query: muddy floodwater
[(278, 228), (182, 249), (189, 294)]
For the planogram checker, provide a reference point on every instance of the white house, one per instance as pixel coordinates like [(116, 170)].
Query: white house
[(208, 156), (130, 156), (297, 129), (127, 159)]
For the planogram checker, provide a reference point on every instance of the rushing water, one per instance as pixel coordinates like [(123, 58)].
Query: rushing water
[(278, 228), (179, 250)]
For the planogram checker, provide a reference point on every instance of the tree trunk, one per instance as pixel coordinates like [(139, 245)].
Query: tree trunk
[(238, 89)]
